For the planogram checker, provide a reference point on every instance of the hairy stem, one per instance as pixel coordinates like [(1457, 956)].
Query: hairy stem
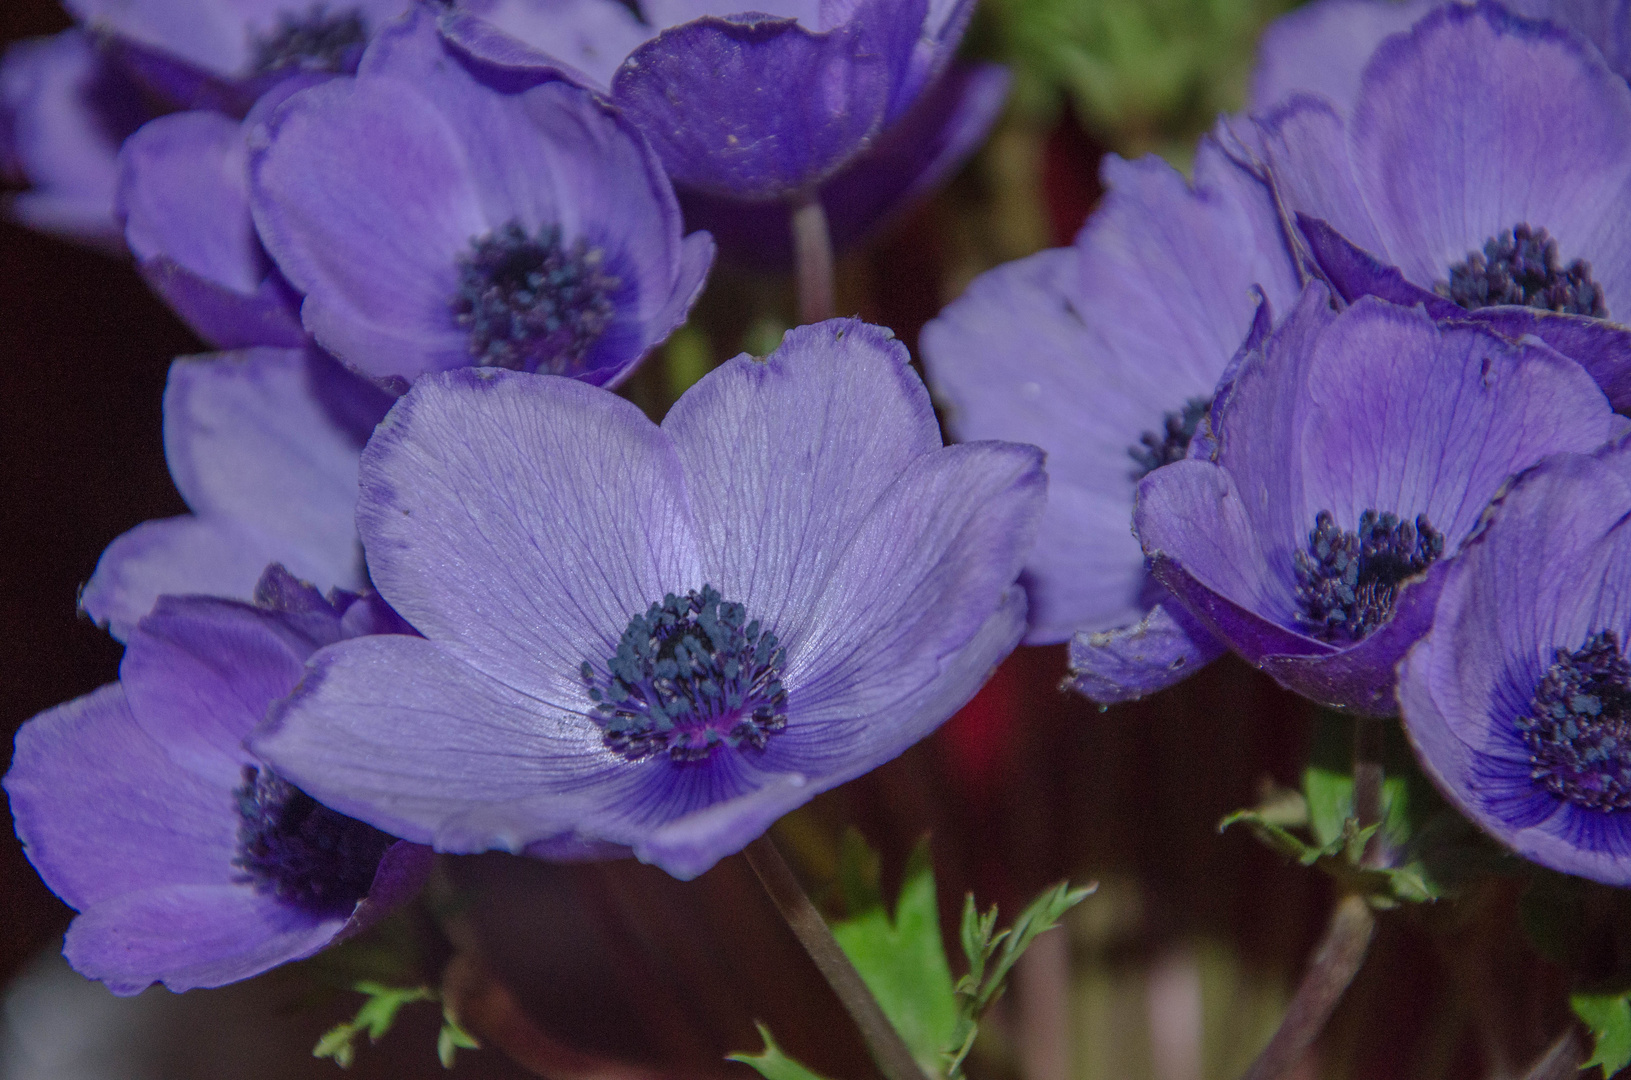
[(812, 251), (1367, 772), (1562, 1060), (1333, 967), (894, 1059)]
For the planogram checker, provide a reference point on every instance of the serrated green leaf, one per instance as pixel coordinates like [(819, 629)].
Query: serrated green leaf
[(1609, 1017), (903, 961), (771, 1063)]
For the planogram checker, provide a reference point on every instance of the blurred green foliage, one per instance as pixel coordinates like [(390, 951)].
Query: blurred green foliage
[(1142, 75)]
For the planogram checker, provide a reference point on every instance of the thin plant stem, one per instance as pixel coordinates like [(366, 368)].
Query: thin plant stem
[(894, 1058), (1336, 961), (1347, 939), (812, 252)]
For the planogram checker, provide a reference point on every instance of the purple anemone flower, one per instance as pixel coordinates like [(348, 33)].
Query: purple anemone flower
[(1518, 700), (184, 200), (139, 806), (64, 110), (660, 638), (768, 105), (1322, 48), (263, 445), (1106, 354), (434, 222), (224, 54), (1352, 455), (1485, 172)]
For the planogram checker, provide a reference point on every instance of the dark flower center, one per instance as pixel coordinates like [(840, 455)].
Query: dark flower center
[(532, 303), (315, 41), (1171, 443), (291, 845), (1347, 581), (1521, 267), (690, 674), (1579, 726)]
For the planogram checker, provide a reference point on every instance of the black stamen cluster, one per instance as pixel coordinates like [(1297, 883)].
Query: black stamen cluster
[(314, 41), (1171, 443), (1347, 581), (1579, 726), (531, 303), (293, 846), (690, 674), (1521, 267)]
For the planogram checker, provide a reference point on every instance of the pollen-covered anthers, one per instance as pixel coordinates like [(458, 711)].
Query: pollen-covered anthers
[(691, 674), (314, 41), (1158, 448), (1521, 267), (532, 303), (293, 846), (1578, 730), (1347, 581)]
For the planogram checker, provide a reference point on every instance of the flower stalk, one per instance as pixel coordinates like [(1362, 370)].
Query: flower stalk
[(812, 253), (888, 1049)]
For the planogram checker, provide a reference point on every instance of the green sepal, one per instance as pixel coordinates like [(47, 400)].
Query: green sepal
[(1609, 1018), (771, 1063)]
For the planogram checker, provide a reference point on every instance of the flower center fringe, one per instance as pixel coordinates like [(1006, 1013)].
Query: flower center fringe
[(1158, 448), (688, 677), (1347, 581), (1579, 726), (291, 845), (531, 303), (1521, 267), (315, 41)]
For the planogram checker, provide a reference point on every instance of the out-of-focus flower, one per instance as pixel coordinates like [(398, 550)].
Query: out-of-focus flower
[(1485, 172), (263, 445), (660, 638), (1353, 456), (848, 103), (1323, 48), (1107, 354), (1518, 700), (189, 861), (64, 111), (184, 200), (224, 54), (434, 222)]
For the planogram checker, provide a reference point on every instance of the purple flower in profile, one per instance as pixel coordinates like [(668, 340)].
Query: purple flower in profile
[(1518, 700), (1322, 48), (263, 446), (64, 110), (223, 54), (139, 806), (434, 222), (1485, 172), (1353, 455), (660, 638), (184, 201), (770, 105), (1107, 354)]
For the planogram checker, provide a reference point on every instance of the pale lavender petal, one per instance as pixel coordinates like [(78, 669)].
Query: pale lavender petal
[(1322, 48), (841, 400), (491, 528), (591, 36)]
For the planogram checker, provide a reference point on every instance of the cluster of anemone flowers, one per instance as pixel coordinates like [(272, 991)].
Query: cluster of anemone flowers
[(1344, 401)]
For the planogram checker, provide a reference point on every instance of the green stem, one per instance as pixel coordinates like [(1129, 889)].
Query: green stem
[(889, 1050)]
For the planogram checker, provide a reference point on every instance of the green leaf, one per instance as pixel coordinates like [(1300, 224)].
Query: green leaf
[(772, 1064), (375, 1018), (1609, 1017), (902, 959), (451, 1039)]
